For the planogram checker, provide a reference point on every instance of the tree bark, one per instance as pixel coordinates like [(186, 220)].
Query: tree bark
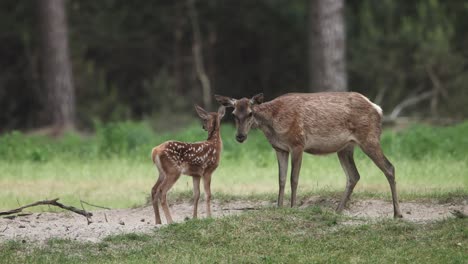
[(57, 81), (327, 46)]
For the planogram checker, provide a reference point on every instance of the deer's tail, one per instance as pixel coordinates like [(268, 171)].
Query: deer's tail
[(155, 156)]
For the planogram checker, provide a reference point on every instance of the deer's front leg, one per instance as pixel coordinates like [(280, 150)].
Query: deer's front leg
[(296, 162), (207, 187), (196, 195), (282, 157)]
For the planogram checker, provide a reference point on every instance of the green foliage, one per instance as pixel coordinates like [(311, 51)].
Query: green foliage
[(403, 39), (134, 141), (420, 141), (415, 47), (124, 139), (135, 61)]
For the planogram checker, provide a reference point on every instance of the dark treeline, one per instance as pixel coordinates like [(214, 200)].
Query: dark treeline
[(134, 59)]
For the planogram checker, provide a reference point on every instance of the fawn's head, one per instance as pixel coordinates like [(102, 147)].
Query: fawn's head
[(210, 120), (243, 113)]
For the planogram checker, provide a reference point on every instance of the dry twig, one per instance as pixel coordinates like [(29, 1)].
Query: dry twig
[(240, 209), (87, 217), (97, 206)]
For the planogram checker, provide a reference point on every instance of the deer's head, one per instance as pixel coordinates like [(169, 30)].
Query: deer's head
[(243, 113), (211, 120)]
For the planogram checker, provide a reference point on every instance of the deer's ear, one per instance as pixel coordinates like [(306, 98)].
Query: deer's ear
[(201, 112), (221, 112), (257, 99), (226, 101)]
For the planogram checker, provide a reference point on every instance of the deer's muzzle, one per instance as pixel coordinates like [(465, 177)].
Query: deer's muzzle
[(241, 138)]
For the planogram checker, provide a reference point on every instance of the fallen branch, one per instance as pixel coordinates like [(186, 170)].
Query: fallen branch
[(49, 202)]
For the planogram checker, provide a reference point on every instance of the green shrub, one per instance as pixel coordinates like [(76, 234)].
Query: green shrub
[(123, 138), (134, 140), (421, 141)]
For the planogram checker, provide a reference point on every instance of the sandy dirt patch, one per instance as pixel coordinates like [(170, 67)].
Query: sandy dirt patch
[(375, 209), (66, 225)]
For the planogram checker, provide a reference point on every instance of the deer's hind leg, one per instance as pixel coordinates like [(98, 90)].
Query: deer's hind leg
[(374, 151), (166, 185), (155, 193), (346, 157), (296, 162)]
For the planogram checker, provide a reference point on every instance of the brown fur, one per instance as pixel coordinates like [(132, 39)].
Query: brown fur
[(316, 123), (199, 160)]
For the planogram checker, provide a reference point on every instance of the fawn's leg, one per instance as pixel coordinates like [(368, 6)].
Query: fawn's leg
[(207, 187), (155, 198), (196, 194), (166, 185)]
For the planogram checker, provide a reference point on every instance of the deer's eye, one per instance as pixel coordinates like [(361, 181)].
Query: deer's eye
[(250, 114)]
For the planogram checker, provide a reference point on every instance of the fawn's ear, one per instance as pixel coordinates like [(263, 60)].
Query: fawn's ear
[(226, 101), (257, 99), (201, 112), (221, 112)]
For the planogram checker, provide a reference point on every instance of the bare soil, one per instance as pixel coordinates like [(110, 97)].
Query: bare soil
[(66, 225)]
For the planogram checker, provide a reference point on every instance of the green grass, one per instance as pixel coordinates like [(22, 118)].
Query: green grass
[(120, 183), (113, 167), (311, 235)]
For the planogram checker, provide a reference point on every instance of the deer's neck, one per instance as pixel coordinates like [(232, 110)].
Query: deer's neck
[(264, 114), (214, 134)]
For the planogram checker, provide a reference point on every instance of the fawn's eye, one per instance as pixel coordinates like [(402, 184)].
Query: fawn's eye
[(250, 114)]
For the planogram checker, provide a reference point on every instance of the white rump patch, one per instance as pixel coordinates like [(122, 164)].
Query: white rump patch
[(157, 161), (376, 107)]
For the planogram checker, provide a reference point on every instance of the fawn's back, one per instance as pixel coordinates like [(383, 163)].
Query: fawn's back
[(194, 159)]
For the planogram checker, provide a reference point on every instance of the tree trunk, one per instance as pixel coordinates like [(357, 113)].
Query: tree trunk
[(57, 81), (178, 36), (197, 49), (327, 46)]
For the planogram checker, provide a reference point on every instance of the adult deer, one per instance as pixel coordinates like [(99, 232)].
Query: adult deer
[(316, 123), (199, 160)]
